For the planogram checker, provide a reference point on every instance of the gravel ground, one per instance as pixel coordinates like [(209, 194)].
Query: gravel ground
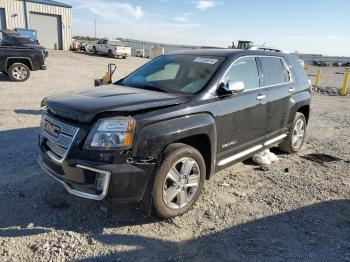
[(331, 77), (299, 209)]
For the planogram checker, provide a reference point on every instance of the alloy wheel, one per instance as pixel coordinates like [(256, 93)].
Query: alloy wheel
[(298, 133), (20, 73), (181, 183)]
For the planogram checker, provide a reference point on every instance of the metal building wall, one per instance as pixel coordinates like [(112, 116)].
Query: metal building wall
[(66, 18), (14, 12)]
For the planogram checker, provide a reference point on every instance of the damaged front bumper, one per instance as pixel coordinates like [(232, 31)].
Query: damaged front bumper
[(120, 181), (104, 178)]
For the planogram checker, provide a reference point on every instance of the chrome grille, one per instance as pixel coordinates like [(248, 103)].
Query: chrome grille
[(61, 143)]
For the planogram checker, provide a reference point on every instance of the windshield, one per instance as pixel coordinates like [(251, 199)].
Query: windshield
[(175, 73), (25, 41)]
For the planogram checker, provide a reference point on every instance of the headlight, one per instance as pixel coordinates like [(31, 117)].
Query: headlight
[(111, 134)]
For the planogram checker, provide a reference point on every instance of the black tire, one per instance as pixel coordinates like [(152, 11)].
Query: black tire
[(110, 54), (124, 57), (287, 144), (173, 154), (18, 72), (94, 50)]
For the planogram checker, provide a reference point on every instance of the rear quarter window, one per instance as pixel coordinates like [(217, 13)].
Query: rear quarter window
[(274, 71), (298, 71)]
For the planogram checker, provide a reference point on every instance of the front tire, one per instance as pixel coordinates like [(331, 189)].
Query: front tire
[(18, 72), (295, 140), (110, 54), (179, 181)]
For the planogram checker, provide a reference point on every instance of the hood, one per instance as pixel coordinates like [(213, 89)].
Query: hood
[(84, 106), (34, 46)]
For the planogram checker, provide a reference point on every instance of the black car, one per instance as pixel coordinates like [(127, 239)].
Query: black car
[(20, 55), (158, 134)]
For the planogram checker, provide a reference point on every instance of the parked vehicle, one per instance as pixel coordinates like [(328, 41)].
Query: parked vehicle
[(19, 56), (320, 63), (156, 135), (112, 48), (140, 53)]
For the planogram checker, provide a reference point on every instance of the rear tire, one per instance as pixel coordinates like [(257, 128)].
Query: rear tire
[(94, 50), (179, 181), (295, 140), (18, 72)]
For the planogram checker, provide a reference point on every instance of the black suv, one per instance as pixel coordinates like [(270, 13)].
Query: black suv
[(20, 55), (156, 135)]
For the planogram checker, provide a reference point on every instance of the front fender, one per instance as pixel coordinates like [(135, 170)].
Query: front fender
[(153, 138)]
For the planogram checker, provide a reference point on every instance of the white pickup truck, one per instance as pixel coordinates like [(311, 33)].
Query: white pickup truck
[(112, 48)]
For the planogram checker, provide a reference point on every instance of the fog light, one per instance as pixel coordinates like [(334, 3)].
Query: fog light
[(100, 181)]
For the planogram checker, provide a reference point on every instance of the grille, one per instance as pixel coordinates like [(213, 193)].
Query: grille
[(59, 143)]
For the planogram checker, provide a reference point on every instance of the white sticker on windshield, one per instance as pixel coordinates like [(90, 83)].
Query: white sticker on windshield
[(205, 60)]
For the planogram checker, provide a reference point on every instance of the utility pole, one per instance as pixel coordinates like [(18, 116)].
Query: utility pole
[(26, 14), (95, 28)]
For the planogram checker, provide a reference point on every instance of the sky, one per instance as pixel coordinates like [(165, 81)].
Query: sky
[(306, 26)]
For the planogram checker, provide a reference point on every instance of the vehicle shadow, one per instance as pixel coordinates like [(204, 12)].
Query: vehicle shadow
[(97, 55), (28, 196), (33, 204), (4, 78), (320, 232)]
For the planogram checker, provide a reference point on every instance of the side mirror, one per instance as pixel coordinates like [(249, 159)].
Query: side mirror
[(235, 86)]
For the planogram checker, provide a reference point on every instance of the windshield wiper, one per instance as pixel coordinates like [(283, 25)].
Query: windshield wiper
[(152, 88)]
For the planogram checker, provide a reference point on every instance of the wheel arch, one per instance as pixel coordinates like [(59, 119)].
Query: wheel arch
[(305, 110), (198, 131), (24, 60)]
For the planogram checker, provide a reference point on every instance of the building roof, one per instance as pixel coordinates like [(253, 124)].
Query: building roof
[(50, 2)]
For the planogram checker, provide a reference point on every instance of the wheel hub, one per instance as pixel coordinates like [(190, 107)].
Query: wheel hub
[(181, 183), (298, 133), (20, 72)]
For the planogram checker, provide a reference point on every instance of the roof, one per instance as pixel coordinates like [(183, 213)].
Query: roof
[(50, 2), (226, 52)]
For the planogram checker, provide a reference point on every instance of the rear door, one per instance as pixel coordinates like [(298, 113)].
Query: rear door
[(242, 121), (276, 79)]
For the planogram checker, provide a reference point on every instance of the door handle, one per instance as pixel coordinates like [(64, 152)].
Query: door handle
[(260, 97), (291, 89)]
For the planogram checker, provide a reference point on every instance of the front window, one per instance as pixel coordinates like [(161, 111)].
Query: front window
[(25, 41), (175, 73), (244, 70)]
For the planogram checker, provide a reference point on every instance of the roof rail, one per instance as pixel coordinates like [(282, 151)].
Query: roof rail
[(266, 48)]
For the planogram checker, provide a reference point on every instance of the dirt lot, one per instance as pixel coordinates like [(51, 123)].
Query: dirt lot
[(331, 77), (297, 210)]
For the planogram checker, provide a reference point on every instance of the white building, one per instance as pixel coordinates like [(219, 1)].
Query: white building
[(51, 19)]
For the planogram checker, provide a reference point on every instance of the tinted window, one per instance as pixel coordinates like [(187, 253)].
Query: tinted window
[(274, 72), (175, 73), (244, 70), (25, 41)]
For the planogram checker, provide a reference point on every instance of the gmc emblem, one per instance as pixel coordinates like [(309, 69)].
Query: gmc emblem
[(51, 129)]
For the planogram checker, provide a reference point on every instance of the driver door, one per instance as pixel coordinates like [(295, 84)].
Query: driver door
[(242, 116)]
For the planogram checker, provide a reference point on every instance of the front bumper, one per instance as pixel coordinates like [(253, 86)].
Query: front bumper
[(122, 182), (70, 189), (89, 174)]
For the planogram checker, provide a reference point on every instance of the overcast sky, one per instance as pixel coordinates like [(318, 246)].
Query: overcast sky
[(307, 26)]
